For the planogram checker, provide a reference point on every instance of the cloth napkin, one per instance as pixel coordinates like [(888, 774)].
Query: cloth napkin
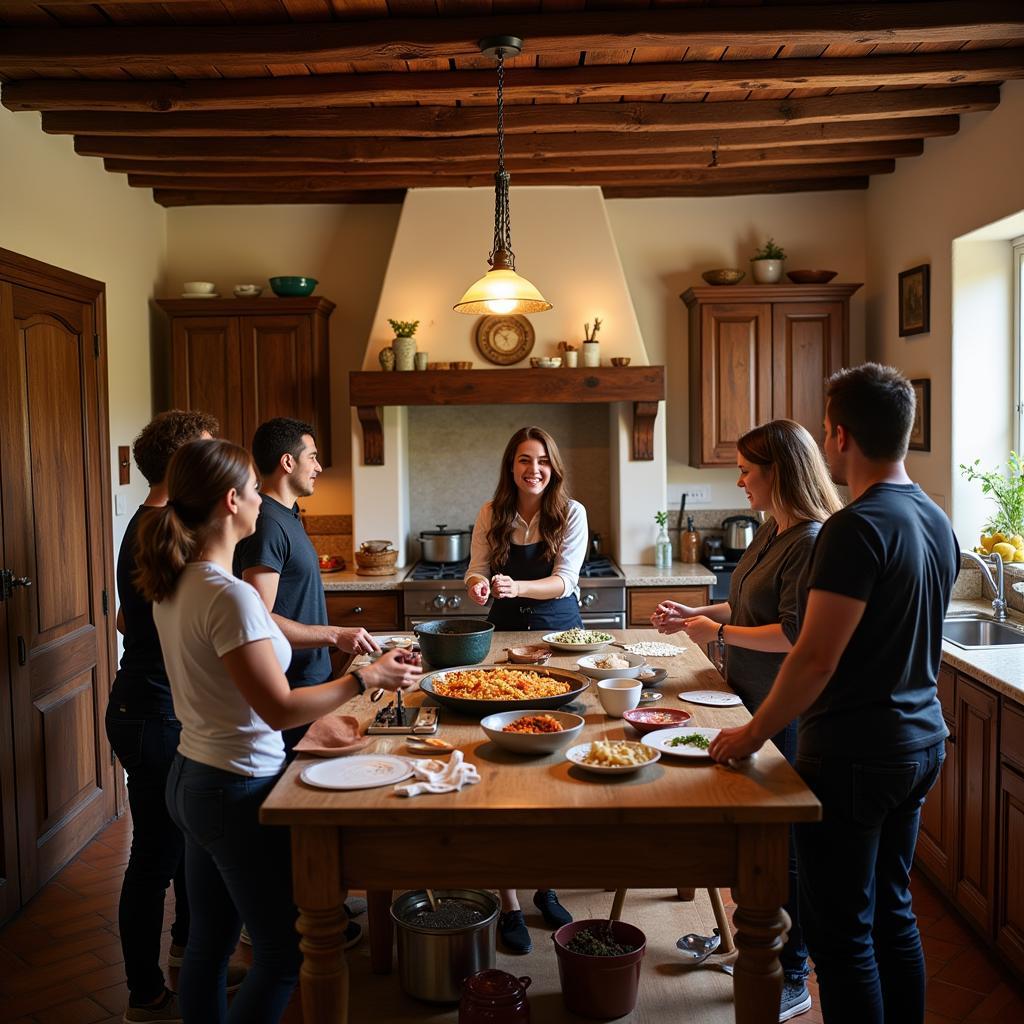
[(439, 777), (332, 735)]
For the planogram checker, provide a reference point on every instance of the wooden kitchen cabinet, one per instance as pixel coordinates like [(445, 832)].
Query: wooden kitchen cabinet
[(641, 601), (369, 609), (1010, 841), (937, 837), (759, 353), (248, 360)]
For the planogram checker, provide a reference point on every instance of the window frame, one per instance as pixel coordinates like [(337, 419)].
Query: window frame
[(1017, 257)]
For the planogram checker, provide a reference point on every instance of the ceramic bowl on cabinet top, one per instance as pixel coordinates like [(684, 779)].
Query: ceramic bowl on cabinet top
[(199, 287), (811, 276), (247, 291), (724, 276), (293, 286)]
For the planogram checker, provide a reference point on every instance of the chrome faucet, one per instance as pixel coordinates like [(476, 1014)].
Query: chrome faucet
[(994, 581)]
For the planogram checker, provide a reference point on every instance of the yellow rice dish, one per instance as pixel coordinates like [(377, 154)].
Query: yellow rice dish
[(498, 684)]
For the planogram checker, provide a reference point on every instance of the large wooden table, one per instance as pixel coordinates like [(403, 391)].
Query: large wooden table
[(534, 822)]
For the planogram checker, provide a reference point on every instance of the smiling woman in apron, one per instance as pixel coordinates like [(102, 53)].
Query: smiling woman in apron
[(528, 545)]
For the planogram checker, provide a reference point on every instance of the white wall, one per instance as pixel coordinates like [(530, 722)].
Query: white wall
[(665, 244), (67, 211), (960, 184)]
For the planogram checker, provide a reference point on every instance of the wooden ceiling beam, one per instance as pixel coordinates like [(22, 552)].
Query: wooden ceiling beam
[(92, 49), (739, 189), (185, 196), (447, 122), (608, 82), (760, 157), (369, 151), (686, 176)]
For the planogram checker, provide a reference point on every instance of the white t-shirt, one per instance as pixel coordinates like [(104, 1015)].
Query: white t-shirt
[(211, 613)]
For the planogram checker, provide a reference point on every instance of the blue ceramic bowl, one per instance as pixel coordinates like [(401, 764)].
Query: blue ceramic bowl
[(448, 642), (291, 286)]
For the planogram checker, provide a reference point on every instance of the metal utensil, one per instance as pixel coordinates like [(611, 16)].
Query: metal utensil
[(433, 900), (699, 947)]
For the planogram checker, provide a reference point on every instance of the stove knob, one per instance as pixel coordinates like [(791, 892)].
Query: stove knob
[(455, 601), (587, 600), (439, 602)]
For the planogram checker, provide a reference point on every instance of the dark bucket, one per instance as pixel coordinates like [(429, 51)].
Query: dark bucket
[(601, 987)]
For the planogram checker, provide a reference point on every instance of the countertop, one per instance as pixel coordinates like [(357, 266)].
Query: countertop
[(1002, 668), (348, 579), (678, 574)]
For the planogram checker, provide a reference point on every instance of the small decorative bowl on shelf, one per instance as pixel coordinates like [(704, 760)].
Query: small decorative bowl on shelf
[(724, 276), (290, 287), (439, 366), (620, 360), (811, 276), (549, 362), (462, 364), (247, 291)]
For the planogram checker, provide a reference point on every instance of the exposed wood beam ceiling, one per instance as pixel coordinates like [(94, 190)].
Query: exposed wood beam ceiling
[(333, 101)]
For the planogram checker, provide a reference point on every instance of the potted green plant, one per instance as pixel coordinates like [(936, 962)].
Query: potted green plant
[(1004, 529), (766, 263), (404, 345)]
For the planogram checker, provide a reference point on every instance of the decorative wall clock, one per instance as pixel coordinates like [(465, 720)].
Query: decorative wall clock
[(504, 340)]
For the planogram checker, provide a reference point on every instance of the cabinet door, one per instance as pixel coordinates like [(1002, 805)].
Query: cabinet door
[(736, 376), (936, 839), (643, 600), (807, 347), (206, 372), (369, 610), (277, 369), (1010, 917), (976, 750)]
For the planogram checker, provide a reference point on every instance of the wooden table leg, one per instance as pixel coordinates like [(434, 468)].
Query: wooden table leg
[(316, 885), (761, 923), (378, 916)]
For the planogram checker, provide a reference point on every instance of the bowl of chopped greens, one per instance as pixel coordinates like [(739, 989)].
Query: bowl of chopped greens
[(578, 640), (689, 741)]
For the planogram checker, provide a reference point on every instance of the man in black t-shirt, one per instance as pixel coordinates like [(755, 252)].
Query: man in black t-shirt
[(862, 679)]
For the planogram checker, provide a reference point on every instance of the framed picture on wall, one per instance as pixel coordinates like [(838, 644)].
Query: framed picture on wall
[(921, 431), (915, 300)]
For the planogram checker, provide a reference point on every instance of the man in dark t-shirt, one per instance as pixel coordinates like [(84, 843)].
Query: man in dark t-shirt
[(862, 679)]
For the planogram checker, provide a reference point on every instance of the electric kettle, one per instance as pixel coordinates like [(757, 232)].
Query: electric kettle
[(739, 532)]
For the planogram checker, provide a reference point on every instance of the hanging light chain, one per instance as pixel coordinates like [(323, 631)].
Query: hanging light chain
[(501, 252)]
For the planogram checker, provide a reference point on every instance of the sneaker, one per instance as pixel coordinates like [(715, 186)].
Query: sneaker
[(796, 998), (166, 1011), (244, 936), (514, 933), (554, 914), (353, 933)]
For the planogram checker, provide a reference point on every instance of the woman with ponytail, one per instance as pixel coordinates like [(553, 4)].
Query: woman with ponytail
[(528, 546), (225, 657)]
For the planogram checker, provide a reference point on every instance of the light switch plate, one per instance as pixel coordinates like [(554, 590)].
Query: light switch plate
[(696, 494), (120, 504)]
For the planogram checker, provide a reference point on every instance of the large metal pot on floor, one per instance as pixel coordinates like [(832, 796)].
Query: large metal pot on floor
[(434, 962)]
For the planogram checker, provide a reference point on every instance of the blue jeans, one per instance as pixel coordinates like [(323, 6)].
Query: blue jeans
[(237, 870), (855, 885), (146, 746)]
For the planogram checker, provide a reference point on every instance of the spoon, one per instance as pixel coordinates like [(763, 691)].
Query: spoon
[(699, 947)]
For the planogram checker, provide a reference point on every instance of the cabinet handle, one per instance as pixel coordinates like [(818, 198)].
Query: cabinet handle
[(358, 610)]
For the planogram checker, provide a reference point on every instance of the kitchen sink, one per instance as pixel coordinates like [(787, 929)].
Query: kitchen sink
[(978, 631)]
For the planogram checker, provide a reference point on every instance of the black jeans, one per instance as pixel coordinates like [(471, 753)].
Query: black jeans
[(146, 746), (855, 885), (237, 869)]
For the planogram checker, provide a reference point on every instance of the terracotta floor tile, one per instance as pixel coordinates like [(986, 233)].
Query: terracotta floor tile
[(952, 1001), (63, 949), (1002, 1004), (77, 1011), (114, 999), (36, 999), (37, 978), (948, 928), (101, 978), (972, 969), (940, 949)]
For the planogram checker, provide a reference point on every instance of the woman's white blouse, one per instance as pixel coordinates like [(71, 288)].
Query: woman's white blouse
[(570, 556)]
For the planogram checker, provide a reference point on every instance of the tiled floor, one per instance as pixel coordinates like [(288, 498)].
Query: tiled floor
[(60, 959)]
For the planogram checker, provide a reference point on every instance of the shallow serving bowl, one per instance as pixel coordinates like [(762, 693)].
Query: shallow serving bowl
[(200, 287), (588, 668), (531, 742), (724, 276), (552, 640), (811, 276), (646, 720), (477, 708), (532, 654), (293, 286)]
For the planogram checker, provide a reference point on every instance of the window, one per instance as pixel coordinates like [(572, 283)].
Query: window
[(1018, 340)]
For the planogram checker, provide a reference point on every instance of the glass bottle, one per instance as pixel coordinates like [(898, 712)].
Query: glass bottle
[(662, 550)]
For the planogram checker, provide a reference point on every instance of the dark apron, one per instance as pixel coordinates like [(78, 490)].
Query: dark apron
[(529, 562)]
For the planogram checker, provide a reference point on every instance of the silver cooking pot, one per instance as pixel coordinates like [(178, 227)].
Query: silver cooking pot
[(739, 532), (444, 545)]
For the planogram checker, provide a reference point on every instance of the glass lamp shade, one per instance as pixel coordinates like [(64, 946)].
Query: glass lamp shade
[(502, 292)]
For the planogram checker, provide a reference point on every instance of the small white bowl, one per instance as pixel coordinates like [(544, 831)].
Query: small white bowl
[(531, 742), (549, 363), (248, 291), (200, 287), (618, 695), (589, 667)]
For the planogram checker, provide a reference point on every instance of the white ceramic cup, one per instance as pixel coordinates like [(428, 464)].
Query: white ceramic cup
[(200, 287), (618, 695)]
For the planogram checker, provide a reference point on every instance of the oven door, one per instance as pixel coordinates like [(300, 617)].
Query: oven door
[(603, 620)]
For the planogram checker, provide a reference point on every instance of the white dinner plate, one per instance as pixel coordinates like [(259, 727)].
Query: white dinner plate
[(577, 753), (713, 698), (660, 741), (360, 771), (576, 648)]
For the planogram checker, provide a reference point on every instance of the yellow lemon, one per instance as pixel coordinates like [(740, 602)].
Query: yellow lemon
[(998, 538), (1018, 557), (1017, 541), (986, 543), (1006, 550)]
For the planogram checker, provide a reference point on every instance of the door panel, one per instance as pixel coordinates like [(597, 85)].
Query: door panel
[(1010, 920), (807, 347), (276, 358), (206, 372), (55, 529)]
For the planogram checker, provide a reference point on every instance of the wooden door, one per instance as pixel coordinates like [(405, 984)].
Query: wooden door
[(977, 753), (54, 465), (206, 372), (808, 345), (1010, 919), (736, 377)]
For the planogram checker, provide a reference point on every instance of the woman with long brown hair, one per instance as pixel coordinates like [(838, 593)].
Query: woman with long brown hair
[(528, 545), (225, 658), (783, 473)]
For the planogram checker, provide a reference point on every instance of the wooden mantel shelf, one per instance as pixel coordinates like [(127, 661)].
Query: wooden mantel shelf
[(644, 386)]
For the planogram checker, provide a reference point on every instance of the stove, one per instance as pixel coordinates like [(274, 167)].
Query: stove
[(435, 590)]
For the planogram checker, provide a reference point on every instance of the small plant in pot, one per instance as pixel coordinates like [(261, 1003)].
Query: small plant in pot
[(404, 345), (766, 263), (1003, 533)]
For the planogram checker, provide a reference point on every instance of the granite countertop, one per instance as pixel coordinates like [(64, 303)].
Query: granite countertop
[(348, 579), (1001, 668), (678, 574)]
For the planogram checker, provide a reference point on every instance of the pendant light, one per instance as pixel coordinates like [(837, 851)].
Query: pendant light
[(501, 290)]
